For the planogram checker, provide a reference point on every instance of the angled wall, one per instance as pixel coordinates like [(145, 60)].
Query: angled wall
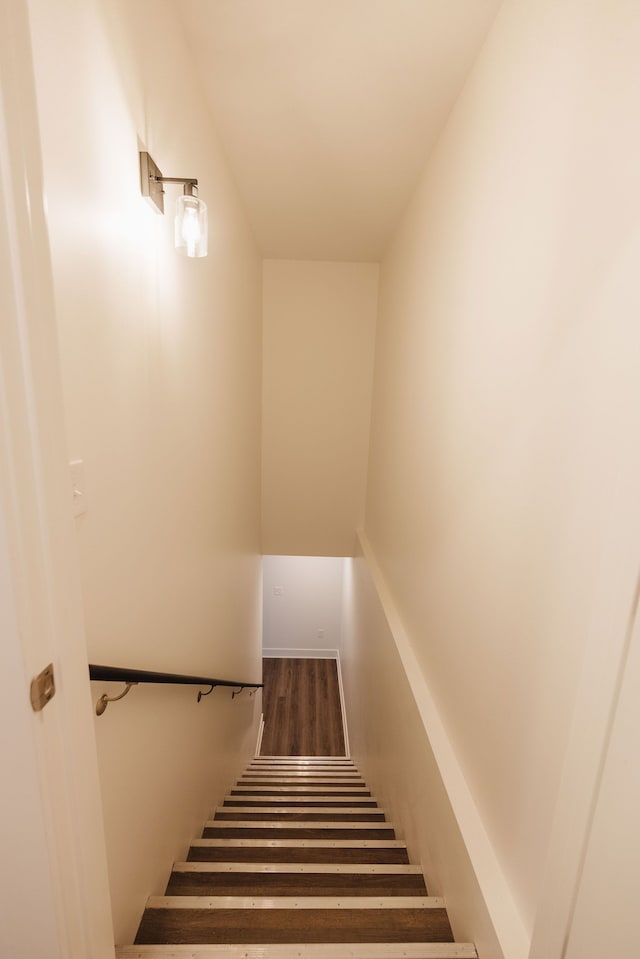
[(505, 394), (161, 363)]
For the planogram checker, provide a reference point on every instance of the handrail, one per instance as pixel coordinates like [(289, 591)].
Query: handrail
[(132, 677)]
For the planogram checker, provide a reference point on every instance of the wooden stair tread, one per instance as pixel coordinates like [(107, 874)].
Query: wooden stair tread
[(301, 830), (328, 802), (322, 852), (205, 925), (293, 882), (289, 814)]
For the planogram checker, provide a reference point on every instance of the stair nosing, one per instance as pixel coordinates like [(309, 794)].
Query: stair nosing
[(338, 869), (293, 824), (337, 950), (329, 903), (299, 843)]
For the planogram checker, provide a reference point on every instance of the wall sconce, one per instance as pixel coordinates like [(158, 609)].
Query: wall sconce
[(191, 230)]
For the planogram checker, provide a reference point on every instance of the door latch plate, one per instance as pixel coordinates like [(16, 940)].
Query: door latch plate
[(43, 688)]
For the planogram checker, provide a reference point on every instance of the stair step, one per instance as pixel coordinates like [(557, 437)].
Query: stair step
[(346, 950), (281, 764), (300, 868), (297, 776), (306, 773), (355, 851), (303, 829), (228, 813), (272, 782), (330, 802), (303, 790), (287, 879), (201, 919), (303, 759)]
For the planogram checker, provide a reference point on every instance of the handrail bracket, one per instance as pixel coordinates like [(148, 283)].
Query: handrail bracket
[(104, 700)]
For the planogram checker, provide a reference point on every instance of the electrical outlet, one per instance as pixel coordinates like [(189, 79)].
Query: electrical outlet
[(321, 634), (278, 590)]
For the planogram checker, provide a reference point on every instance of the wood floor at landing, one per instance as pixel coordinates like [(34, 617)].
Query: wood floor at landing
[(302, 708)]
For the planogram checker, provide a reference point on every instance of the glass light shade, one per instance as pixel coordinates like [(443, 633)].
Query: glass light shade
[(191, 236)]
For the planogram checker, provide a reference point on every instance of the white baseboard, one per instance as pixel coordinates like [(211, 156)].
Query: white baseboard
[(260, 734), (287, 653)]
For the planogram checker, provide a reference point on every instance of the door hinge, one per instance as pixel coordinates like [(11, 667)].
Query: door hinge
[(43, 688)]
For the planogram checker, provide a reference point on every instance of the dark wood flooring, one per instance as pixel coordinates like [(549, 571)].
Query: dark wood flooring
[(302, 711)]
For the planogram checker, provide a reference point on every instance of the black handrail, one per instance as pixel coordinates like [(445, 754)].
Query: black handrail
[(132, 677)]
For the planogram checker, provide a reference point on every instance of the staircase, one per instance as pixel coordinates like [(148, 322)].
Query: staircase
[(298, 863)]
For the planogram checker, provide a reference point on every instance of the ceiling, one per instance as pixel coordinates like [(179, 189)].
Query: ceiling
[(327, 109)]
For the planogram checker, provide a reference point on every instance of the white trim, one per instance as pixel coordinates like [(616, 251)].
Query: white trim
[(496, 891), (260, 735), (338, 950), (291, 653), (295, 902), (345, 729)]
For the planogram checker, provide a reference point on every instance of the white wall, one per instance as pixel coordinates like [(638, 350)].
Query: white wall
[(161, 375), (387, 702), (604, 920), (505, 393), (302, 598), (319, 330)]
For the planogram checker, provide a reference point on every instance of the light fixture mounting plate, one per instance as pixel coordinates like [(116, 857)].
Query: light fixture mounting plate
[(151, 181)]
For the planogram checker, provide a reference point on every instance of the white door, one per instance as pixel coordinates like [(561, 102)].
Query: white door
[(53, 885)]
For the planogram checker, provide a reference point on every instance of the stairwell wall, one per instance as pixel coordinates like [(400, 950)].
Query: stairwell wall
[(505, 390), (319, 335), (161, 366)]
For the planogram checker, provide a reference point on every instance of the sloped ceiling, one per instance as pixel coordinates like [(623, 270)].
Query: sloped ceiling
[(327, 109)]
